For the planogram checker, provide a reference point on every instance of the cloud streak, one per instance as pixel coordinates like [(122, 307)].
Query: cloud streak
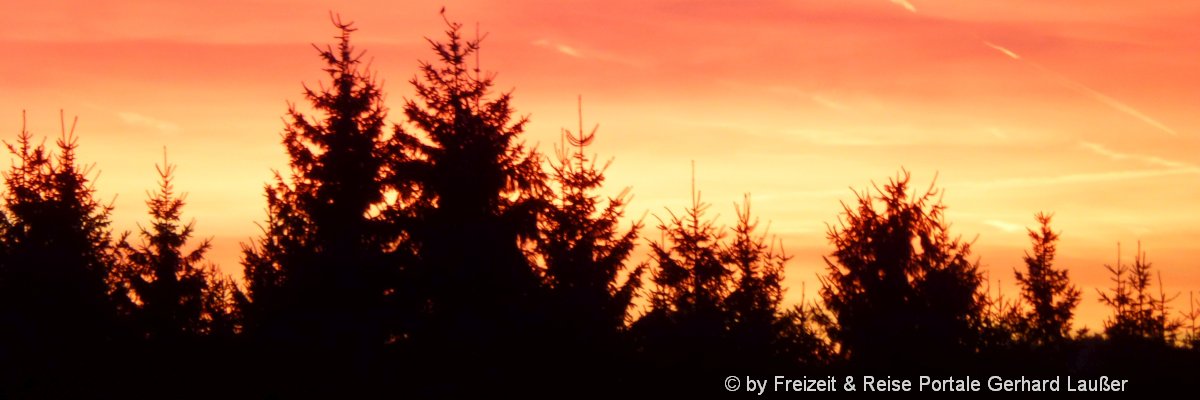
[(1002, 49), (1114, 103), (836, 139), (559, 47), (816, 98), (904, 3), (1004, 226), (136, 119), (1084, 89), (1118, 156), (1084, 178), (575, 52)]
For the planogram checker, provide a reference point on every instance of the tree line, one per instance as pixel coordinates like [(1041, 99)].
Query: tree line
[(441, 256)]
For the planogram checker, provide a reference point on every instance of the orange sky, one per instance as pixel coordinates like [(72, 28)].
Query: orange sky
[(1084, 108)]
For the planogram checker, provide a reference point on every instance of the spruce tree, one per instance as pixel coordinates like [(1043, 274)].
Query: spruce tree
[(1141, 335), (585, 252), (1048, 291), (180, 305), (57, 290), (716, 301), (685, 329), (902, 291), (178, 293), (756, 321), (481, 192), (320, 278), (1138, 315)]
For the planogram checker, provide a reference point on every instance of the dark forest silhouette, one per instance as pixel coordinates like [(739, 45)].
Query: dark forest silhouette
[(442, 257)]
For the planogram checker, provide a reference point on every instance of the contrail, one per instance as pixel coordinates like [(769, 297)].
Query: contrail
[(1079, 87), (1063, 80), (1083, 178), (1001, 49), (1162, 162), (904, 3)]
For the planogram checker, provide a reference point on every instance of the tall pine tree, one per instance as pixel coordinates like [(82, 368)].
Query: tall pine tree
[(758, 327), (180, 305), (585, 256), (178, 293), (482, 192), (1141, 334), (320, 277), (715, 302), (685, 329), (1047, 290), (1138, 315), (57, 297), (902, 291)]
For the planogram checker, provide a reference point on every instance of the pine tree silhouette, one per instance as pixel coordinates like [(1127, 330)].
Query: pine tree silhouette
[(685, 326), (483, 192), (1137, 314), (585, 255), (1141, 336), (178, 293), (1190, 324), (1047, 290), (901, 289), (57, 305), (803, 339), (757, 323), (683, 337), (716, 303), (181, 306), (320, 277), (1003, 329)]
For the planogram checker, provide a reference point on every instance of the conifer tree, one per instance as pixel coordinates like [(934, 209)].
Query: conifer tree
[(180, 306), (320, 277), (1004, 327), (57, 289), (1048, 291), (178, 293), (1137, 314), (481, 192), (756, 320), (584, 251), (685, 328), (716, 301), (1190, 323), (803, 338), (901, 289)]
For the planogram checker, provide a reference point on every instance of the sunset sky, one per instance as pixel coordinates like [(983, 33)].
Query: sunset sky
[(1085, 108)]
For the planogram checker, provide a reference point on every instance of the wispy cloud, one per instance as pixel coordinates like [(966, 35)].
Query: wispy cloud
[(568, 50), (591, 54), (904, 3), (831, 138), (1118, 105), (1084, 178), (815, 97), (802, 194), (1081, 88), (1003, 49), (559, 47), (1004, 226), (136, 119), (824, 101), (1152, 160)]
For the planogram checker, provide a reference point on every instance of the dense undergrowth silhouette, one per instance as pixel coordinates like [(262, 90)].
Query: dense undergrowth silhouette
[(441, 257)]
